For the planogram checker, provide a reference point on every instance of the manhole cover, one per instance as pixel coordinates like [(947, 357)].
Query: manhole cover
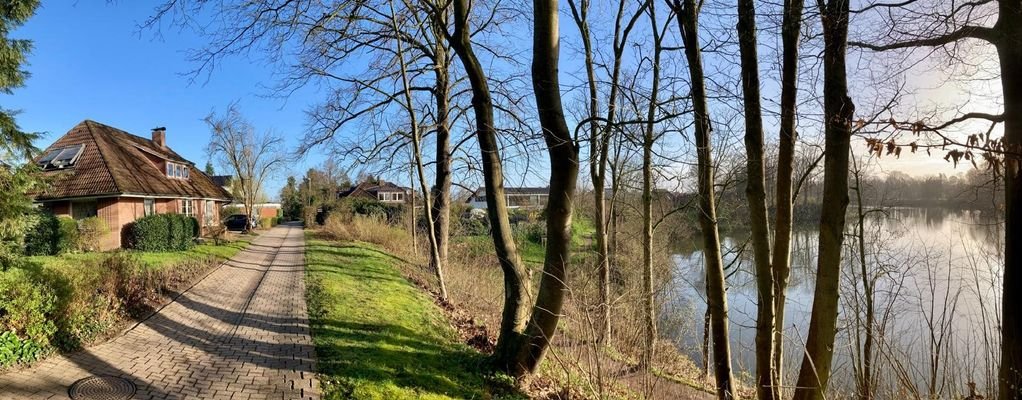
[(102, 387)]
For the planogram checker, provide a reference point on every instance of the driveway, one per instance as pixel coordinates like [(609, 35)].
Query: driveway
[(241, 333)]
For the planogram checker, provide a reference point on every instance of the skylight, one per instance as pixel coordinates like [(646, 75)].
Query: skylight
[(62, 157)]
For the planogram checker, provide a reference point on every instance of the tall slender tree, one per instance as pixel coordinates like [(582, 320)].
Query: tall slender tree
[(791, 31), (563, 154), (716, 297), (755, 193), (814, 373)]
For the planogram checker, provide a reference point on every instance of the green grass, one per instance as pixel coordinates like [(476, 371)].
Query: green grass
[(155, 260), (379, 337)]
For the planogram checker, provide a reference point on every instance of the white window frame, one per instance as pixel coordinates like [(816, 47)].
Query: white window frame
[(148, 206), (186, 207), (208, 213)]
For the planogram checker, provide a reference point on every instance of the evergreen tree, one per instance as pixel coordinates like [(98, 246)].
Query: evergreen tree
[(14, 13), (209, 169)]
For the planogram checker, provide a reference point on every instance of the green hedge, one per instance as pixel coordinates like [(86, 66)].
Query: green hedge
[(51, 235), (163, 232)]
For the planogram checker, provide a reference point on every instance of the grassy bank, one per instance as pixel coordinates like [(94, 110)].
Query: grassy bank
[(65, 302), (379, 337)]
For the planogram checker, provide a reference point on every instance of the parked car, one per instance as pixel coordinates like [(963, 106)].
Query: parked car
[(237, 222)]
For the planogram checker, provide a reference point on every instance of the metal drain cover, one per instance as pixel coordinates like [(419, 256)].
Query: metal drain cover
[(102, 387)]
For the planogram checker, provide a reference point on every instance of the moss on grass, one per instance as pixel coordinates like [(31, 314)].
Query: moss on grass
[(379, 337)]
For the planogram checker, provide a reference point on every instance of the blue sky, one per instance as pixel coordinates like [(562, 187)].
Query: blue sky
[(91, 62)]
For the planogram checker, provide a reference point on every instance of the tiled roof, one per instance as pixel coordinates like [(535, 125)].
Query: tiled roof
[(516, 191), (115, 162), (370, 189)]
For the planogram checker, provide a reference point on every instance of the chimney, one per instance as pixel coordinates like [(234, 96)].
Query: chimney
[(160, 137)]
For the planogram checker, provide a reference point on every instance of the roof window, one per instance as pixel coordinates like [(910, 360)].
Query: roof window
[(61, 158)]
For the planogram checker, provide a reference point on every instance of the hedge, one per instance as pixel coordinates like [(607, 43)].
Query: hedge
[(163, 232), (52, 235)]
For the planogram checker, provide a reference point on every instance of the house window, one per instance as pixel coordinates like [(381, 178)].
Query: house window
[(208, 214), (175, 170), (83, 209), (186, 207), (149, 206), (391, 196)]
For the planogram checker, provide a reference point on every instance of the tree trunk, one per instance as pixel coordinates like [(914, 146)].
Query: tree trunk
[(516, 290), (716, 295), (755, 193), (416, 139), (791, 29), (563, 176), (648, 139), (1010, 54), (838, 113), (442, 186)]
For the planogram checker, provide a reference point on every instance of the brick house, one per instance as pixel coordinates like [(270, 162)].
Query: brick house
[(101, 171), (382, 191)]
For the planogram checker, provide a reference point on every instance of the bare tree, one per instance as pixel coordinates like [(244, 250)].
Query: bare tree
[(600, 135), (251, 156), (947, 27), (416, 139), (563, 176), (755, 193), (716, 296), (814, 373)]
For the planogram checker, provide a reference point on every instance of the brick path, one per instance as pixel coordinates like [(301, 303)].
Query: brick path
[(240, 333)]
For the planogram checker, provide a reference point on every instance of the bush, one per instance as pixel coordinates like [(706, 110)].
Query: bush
[(90, 231), (151, 233), (44, 236), (25, 306), (163, 232), (68, 241), (265, 223), (51, 235)]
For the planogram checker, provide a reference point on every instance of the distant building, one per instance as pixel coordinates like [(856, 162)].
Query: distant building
[(516, 197), (382, 191)]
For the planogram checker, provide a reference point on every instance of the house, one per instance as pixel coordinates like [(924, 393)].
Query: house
[(382, 191), (516, 197), (101, 171)]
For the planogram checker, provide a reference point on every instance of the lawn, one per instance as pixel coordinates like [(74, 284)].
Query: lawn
[(155, 260), (379, 337)]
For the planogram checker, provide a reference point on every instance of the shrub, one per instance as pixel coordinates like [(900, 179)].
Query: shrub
[(164, 232), (151, 233), (90, 231), (25, 306), (265, 223), (68, 241), (44, 236)]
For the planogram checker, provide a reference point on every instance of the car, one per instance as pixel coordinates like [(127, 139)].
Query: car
[(237, 222)]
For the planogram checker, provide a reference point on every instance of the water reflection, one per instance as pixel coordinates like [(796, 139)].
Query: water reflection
[(932, 270)]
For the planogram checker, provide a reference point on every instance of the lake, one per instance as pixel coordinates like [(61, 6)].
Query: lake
[(935, 270)]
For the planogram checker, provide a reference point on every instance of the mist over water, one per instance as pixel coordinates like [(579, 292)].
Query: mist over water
[(937, 276)]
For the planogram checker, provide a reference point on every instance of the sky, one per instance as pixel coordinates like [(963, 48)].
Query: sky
[(91, 61)]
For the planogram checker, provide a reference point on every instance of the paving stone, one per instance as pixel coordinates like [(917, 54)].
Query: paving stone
[(242, 332)]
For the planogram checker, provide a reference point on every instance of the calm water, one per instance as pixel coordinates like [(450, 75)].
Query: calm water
[(935, 270)]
